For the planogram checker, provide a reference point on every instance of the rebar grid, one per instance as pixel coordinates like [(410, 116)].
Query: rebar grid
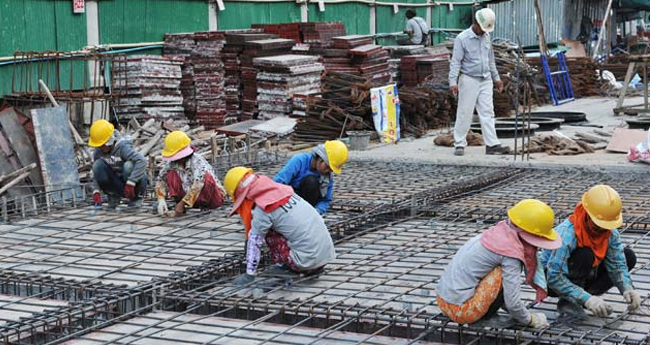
[(562, 190), (383, 282), (123, 249)]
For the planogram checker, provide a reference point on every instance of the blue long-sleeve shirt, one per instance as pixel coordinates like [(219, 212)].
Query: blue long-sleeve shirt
[(296, 169), (555, 262)]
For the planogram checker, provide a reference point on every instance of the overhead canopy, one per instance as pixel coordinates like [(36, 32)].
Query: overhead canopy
[(636, 4)]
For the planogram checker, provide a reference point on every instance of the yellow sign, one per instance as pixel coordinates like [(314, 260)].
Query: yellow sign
[(385, 112)]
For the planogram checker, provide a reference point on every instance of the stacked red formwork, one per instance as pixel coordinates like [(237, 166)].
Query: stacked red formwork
[(318, 35), (151, 85), (280, 78), (285, 30), (416, 69), (252, 50), (182, 45), (232, 55), (209, 78), (356, 54)]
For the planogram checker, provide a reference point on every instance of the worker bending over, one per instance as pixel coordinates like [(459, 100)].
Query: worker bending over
[(187, 177), (473, 60), (118, 169), (310, 174), (485, 273), (296, 235), (592, 258)]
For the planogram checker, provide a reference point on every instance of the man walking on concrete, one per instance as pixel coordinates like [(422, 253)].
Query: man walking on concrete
[(473, 59)]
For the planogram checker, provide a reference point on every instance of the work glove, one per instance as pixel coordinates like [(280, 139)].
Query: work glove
[(129, 190), (162, 207), (538, 320), (598, 307), (97, 198), (633, 299), (244, 279)]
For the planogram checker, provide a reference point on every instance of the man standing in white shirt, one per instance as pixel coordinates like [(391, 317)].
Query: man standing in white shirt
[(472, 76)]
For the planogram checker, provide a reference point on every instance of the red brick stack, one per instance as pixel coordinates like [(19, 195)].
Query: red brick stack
[(183, 45), (255, 49), (415, 69), (209, 77)]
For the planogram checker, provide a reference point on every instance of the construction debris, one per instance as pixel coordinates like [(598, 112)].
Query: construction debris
[(426, 107), (555, 143), (447, 139)]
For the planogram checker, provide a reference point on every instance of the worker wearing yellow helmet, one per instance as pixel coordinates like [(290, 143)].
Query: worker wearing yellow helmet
[(484, 275), (186, 177), (118, 169), (272, 213), (310, 174), (592, 258)]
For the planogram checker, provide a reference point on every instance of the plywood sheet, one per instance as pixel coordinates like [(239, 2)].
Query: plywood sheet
[(20, 143), (55, 148), (624, 138)]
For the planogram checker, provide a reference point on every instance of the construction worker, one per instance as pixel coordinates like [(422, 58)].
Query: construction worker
[(187, 177), (295, 233), (416, 28), (310, 174), (473, 59), (118, 169), (485, 272), (592, 258)]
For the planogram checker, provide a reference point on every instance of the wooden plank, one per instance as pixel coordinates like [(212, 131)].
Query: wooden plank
[(624, 138), (55, 148), (20, 143)]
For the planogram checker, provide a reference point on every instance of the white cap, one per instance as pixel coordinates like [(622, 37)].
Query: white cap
[(485, 18)]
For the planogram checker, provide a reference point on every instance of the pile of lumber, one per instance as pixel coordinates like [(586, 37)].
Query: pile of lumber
[(343, 105), (423, 108), (357, 55), (318, 35), (582, 72)]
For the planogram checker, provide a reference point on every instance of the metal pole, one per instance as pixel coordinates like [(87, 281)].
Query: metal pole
[(602, 29)]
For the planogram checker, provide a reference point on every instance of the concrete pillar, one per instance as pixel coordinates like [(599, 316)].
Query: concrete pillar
[(92, 22), (213, 20), (304, 11), (373, 19)]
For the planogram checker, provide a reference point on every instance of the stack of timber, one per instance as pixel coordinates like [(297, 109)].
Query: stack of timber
[(182, 45), (424, 108), (582, 72), (318, 35), (289, 31), (209, 75), (357, 55)]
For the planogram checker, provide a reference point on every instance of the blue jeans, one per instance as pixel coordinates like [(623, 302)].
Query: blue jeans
[(112, 182)]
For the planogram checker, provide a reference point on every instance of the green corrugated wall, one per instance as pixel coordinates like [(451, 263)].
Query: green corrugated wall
[(42, 25), (38, 25), (240, 15), (132, 21)]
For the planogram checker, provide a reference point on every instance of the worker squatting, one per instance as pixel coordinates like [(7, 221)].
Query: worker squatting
[(580, 259)]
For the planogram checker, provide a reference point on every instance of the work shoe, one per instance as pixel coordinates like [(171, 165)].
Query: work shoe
[(113, 201), (497, 150), (281, 270), (571, 309), (459, 151), (137, 203)]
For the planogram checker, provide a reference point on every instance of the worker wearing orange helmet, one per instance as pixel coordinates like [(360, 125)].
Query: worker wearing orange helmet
[(484, 275), (272, 213), (592, 258), (187, 177), (310, 174), (118, 169)]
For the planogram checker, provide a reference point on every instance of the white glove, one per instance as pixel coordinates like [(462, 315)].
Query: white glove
[(162, 207), (598, 307), (538, 320), (633, 299)]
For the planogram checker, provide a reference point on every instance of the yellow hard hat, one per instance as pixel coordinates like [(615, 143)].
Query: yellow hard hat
[(534, 217), (174, 142), (603, 204), (100, 132), (232, 179), (337, 154)]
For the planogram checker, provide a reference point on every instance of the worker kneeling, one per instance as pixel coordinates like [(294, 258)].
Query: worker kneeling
[(592, 258), (295, 233), (118, 169), (485, 273), (310, 174), (188, 178)]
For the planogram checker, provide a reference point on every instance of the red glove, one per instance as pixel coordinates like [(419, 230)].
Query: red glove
[(129, 191), (97, 199)]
